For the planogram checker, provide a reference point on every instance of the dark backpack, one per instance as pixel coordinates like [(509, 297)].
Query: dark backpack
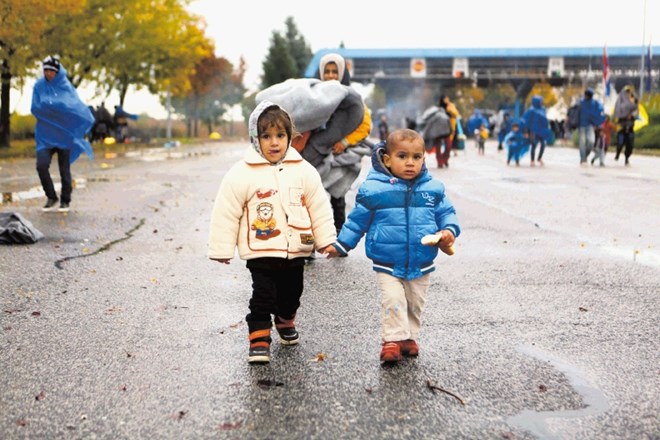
[(573, 117)]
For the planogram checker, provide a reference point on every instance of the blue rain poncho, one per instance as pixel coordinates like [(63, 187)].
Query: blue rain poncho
[(62, 118)]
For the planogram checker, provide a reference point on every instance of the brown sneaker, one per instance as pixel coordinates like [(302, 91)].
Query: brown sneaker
[(409, 347), (391, 352)]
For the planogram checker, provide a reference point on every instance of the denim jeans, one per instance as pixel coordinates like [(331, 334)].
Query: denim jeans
[(586, 139), (44, 157)]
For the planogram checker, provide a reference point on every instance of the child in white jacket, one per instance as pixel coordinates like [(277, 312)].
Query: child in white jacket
[(272, 206)]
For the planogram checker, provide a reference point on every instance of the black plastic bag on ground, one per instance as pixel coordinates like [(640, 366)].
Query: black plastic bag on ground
[(16, 229)]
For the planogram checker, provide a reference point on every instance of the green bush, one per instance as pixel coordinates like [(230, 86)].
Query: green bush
[(648, 137), (22, 126)]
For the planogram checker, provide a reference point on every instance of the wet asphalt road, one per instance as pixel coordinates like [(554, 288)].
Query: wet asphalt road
[(543, 325)]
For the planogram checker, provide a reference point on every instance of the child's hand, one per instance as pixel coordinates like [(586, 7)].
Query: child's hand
[(338, 148), (446, 242), (221, 260), (443, 239), (330, 251)]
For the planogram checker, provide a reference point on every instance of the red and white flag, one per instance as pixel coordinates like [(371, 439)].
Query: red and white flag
[(606, 72)]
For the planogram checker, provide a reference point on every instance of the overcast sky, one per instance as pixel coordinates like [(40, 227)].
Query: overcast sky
[(244, 28)]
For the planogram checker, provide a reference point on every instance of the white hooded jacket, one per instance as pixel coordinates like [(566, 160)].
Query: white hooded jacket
[(270, 210)]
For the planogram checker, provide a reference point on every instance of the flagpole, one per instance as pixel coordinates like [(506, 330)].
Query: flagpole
[(641, 69)]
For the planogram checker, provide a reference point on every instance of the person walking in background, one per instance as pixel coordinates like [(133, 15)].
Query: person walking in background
[(120, 122), (383, 128), (397, 205), (271, 192), (451, 110), (504, 129), (538, 128), (591, 115), (516, 143), (63, 121), (626, 110), (603, 140), (480, 136), (434, 125), (340, 169)]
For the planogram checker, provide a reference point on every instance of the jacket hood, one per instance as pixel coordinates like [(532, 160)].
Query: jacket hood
[(253, 129), (537, 101), (341, 66)]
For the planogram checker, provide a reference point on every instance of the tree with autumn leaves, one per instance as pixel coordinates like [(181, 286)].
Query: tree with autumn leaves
[(152, 44)]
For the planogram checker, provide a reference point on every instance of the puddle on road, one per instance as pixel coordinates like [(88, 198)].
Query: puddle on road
[(536, 421), (37, 191), (641, 256)]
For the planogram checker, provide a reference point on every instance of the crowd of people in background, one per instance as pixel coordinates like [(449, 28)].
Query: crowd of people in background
[(108, 125), (586, 121)]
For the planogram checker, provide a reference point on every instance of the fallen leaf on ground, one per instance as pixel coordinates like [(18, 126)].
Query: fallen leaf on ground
[(320, 357)]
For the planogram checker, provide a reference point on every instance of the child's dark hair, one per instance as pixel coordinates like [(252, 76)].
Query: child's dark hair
[(275, 116), (402, 134)]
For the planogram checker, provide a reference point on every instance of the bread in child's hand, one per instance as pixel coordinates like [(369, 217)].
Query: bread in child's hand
[(430, 239), (433, 239)]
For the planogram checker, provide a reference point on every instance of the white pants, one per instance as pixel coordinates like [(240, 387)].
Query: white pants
[(402, 303)]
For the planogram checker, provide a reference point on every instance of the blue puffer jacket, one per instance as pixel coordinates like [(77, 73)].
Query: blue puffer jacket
[(395, 214)]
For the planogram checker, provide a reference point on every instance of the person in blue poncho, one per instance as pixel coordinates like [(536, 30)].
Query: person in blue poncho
[(516, 143), (538, 127), (63, 120)]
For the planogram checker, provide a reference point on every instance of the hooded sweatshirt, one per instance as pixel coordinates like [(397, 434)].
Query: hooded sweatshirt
[(270, 210), (62, 118)]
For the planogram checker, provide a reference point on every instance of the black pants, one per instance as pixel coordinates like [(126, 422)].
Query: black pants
[(627, 138), (540, 141), (338, 211), (277, 285), (44, 157)]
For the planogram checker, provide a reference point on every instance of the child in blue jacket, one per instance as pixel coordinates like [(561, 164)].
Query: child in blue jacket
[(397, 205), (516, 143)]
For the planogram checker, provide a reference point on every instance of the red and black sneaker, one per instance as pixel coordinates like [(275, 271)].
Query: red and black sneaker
[(409, 347), (286, 329), (259, 346)]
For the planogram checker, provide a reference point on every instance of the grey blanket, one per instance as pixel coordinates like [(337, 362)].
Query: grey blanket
[(339, 171), (327, 108), (309, 101), (16, 229)]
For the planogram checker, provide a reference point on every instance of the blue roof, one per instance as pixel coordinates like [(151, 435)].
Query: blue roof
[(478, 53)]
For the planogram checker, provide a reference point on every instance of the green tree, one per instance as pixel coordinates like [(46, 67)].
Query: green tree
[(279, 64), (298, 47), (288, 56)]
